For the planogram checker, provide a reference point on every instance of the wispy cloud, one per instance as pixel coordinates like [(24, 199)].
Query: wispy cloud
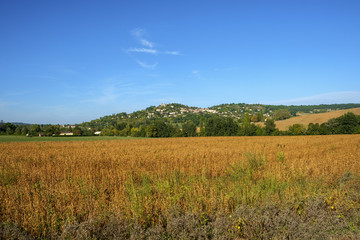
[(195, 74), (146, 65), (148, 47), (175, 53), (107, 90), (67, 70), (146, 43), (109, 94), (116, 89), (138, 32), (325, 98), (143, 50), (153, 75)]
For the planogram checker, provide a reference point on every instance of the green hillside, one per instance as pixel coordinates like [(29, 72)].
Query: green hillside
[(178, 113)]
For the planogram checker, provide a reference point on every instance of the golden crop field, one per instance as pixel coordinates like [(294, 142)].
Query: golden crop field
[(47, 187), (312, 118)]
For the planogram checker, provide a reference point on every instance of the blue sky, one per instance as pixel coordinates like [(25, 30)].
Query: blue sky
[(74, 61)]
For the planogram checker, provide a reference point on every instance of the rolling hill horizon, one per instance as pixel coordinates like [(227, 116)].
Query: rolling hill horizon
[(179, 113)]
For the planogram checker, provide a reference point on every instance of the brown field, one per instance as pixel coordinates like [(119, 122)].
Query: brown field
[(45, 187), (312, 118)]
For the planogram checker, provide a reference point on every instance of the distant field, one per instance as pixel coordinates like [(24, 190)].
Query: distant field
[(312, 118), (282, 187), (11, 138)]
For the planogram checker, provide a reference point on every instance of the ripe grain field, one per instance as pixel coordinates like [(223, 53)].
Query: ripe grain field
[(320, 118), (188, 188)]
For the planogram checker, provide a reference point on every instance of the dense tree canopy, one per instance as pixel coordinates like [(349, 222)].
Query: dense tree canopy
[(281, 114), (189, 129)]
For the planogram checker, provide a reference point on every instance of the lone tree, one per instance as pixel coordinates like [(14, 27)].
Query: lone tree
[(281, 114), (270, 126)]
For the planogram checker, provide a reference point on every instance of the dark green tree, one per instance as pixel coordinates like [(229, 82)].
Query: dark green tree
[(202, 127), (260, 131), (24, 130), (18, 130), (189, 129), (346, 123), (218, 126), (231, 127), (270, 126), (126, 131), (313, 129), (77, 131), (324, 129), (174, 131), (281, 114), (260, 116), (248, 130), (34, 130), (297, 129), (10, 128), (157, 129)]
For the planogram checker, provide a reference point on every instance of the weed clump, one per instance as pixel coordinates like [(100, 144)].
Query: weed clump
[(263, 222), (11, 231), (281, 222)]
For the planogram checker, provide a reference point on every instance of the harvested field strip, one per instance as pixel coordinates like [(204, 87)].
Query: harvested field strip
[(320, 118)]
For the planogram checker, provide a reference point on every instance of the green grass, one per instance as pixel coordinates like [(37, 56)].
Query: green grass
[(11, 138)]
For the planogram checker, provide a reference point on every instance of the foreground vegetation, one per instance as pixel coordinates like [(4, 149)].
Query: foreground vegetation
[(191, 188)]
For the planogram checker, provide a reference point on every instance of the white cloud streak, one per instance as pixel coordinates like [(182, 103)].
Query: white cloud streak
[(195, 74), (148, 48), (146, 65), (175, 53), (137, 32), (143, 50), (146, 43)]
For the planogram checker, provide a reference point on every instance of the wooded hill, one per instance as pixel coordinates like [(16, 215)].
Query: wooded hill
[(177, 120), (178, 113)]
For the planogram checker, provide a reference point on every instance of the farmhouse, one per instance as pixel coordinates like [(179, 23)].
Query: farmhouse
[(66, 134)]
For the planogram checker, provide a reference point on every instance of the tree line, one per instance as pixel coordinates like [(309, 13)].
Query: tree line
[(42, 129), (348, 123)]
